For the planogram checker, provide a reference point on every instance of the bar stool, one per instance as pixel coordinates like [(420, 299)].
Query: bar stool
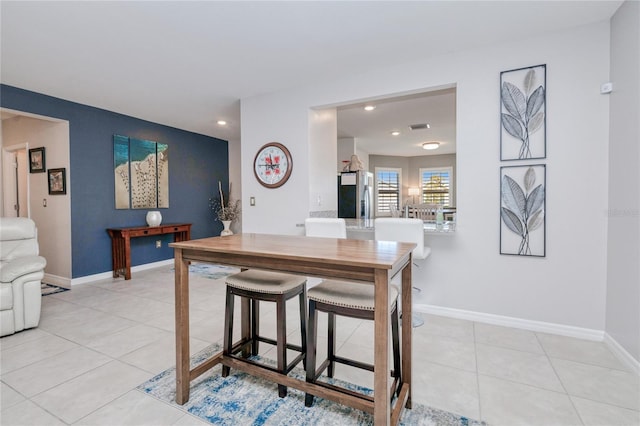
[(351, 300), (271, 287), (409, 231)]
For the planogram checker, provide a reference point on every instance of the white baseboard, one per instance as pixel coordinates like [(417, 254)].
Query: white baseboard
[(621, 353), (540, 326), (106, 275), (57, 280)]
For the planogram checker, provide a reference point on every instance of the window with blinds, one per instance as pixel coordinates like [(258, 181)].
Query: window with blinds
[(436, 186), (388, 184)]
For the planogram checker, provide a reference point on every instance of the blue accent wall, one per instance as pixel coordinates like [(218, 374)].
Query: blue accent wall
[(196, 164)]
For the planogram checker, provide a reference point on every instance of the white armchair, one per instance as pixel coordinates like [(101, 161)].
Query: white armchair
[(21, 272)]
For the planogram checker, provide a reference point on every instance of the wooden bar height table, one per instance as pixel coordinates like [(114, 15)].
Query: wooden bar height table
[(121, 243), (374, 262)]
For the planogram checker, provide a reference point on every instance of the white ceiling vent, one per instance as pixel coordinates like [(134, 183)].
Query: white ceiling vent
[(419, 126)]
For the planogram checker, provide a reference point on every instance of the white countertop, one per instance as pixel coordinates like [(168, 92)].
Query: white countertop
[(429, 226)]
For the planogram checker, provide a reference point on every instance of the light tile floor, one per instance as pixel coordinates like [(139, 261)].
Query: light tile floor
[(99, 341)]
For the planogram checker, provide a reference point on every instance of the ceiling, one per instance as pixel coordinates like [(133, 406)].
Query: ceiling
[(372, 129), (188, 64)]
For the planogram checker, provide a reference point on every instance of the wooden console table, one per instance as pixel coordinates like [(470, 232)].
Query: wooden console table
[(121, 243)]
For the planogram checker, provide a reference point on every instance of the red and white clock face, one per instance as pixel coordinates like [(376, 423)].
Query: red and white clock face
[(272, 165)]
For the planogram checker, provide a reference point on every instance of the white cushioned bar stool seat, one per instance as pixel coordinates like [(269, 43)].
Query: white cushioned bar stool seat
[(265, 281), (348, 295), (256, 286), (350, 300)]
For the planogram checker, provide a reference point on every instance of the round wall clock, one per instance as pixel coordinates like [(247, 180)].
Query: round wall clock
[(272, 165)]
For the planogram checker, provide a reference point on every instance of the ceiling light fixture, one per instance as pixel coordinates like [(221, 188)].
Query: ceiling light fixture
[(431, 145), (222, 123), (369, 107), (395, 133)]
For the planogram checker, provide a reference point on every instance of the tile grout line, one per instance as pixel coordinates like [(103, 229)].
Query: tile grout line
[(575, 409), (475, 354)]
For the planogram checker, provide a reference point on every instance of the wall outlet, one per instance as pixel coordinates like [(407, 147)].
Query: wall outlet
[(158, 243)]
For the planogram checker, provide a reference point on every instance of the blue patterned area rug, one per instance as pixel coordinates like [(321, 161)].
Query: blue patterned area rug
[(212, 272), (242, 399), (48, 289)]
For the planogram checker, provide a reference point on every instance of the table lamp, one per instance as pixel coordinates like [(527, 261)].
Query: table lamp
[(413, 192)]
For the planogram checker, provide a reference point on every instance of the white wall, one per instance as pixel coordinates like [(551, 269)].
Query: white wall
[(346, 148), (323, 152), (235, 172), (623, 269), (53, 221), (465, 271)]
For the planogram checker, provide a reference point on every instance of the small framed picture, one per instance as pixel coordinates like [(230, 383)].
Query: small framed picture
[(36, 160), (57, 181)]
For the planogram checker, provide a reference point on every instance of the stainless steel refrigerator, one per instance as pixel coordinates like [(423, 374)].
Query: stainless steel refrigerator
[(355, 195)]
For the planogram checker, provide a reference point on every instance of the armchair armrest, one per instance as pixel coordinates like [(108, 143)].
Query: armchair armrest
[(20, 266)]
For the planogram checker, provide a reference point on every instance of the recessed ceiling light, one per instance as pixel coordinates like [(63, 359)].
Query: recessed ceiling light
[(369, 107), (431, 145), (222, 123), (395, 133)]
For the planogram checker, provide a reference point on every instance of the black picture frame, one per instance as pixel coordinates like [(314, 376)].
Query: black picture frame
[(37, 162), (523, 204), (57, 181), (523, 113)]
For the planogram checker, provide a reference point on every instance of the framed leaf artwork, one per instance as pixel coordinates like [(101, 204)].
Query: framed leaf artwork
[(522, 210), (523, 113)]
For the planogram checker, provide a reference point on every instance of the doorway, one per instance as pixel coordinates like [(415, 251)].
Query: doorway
[(15, 181)]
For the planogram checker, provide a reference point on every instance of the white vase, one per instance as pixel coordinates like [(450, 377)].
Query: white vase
[(226, 230), (154, 218)]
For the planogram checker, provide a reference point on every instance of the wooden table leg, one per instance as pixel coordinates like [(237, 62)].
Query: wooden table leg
[(182, 328), (381, 408), (127, 257), (407, 329), (116, 247)]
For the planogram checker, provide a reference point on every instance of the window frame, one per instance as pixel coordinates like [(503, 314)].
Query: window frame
[(447, 169), (398, 171)]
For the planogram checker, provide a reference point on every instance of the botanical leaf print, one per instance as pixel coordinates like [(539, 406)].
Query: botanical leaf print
[(535, 102), (535, 200), (536, 220), (514, 100), (529, 179), (511, 220), (522, 211), (524, 110), (529, 80), (513, 196), (536, 122), (512, 126)]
